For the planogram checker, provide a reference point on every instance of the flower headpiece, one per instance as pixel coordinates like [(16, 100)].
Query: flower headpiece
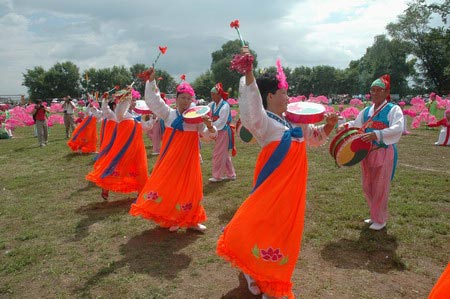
[(186, 88), (135, 94), (281, 77)]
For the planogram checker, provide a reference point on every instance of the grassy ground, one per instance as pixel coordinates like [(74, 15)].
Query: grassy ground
[(59, 239)]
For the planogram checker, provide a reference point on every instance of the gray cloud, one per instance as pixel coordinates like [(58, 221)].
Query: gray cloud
[(105, 33)]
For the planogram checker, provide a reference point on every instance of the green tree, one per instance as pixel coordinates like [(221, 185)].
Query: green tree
[(429, 45), (62, 79), (301, 81), (220, 66), (33, 80), (203, 84), (167, 84), (136, 69)]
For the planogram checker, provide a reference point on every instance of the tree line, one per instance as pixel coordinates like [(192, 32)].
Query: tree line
[(415, 54)]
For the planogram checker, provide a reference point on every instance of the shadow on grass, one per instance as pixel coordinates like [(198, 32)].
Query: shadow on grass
[(88, 187), (27, 148), (97, 212), (240, 292), (210, 188), (153, 252), (374, 251)]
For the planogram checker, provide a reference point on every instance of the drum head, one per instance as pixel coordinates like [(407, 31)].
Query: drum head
[(305, 112), (195, 114), (352, 151), (347, 148), (141, 107)]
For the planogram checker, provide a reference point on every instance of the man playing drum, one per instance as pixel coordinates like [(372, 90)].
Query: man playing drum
[(384, 131)]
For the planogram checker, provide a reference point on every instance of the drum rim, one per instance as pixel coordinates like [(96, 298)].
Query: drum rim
[(337, 136), (201, 107), (345, 142)]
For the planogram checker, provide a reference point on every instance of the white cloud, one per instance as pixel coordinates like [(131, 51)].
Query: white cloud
[(105, 33)]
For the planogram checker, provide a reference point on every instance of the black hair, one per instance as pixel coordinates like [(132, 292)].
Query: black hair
[(112, 105), (267, 83)]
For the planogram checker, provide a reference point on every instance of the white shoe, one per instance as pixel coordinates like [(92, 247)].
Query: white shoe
[(368, 221), (155, 154), (252, 286), (377, 226), (199, 227), (214, 180), (174, 228), (231, 178)]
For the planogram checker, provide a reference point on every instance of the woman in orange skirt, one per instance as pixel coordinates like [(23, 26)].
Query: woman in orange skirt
[(84, 137), (173, 193), (108, 133), (263, 239), (123, 168), (441, 289)]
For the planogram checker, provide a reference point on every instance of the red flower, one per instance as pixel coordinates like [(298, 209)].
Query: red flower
[(271, 255), (183, 77), (234, 24), (144, 76), (160, 78), (117, 87), (163, 49)]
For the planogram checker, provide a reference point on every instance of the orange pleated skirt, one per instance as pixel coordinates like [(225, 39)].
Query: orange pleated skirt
[(441, 289), (84, 137), (130, 172), (173, 193), (264, 237)]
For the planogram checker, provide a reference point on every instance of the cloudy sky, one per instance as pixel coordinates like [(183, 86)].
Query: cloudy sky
[(100, 33)]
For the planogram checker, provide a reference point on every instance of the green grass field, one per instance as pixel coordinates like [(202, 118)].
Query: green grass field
[(59, 239)]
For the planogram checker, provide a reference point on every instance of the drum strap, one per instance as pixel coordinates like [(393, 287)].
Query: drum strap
[(363, 127)]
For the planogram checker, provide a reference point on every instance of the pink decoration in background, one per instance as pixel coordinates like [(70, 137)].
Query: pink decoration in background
[(232, 101), (350, 112), (442, 103), (56, 119), (356, 102), (301, 98), (320, 99), (281, 77), (233, 113), (329, 109), (56, 107), (425, 117), (409, 112)]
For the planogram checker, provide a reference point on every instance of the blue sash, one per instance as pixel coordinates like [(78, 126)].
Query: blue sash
[(280, 151), (82, 128)]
